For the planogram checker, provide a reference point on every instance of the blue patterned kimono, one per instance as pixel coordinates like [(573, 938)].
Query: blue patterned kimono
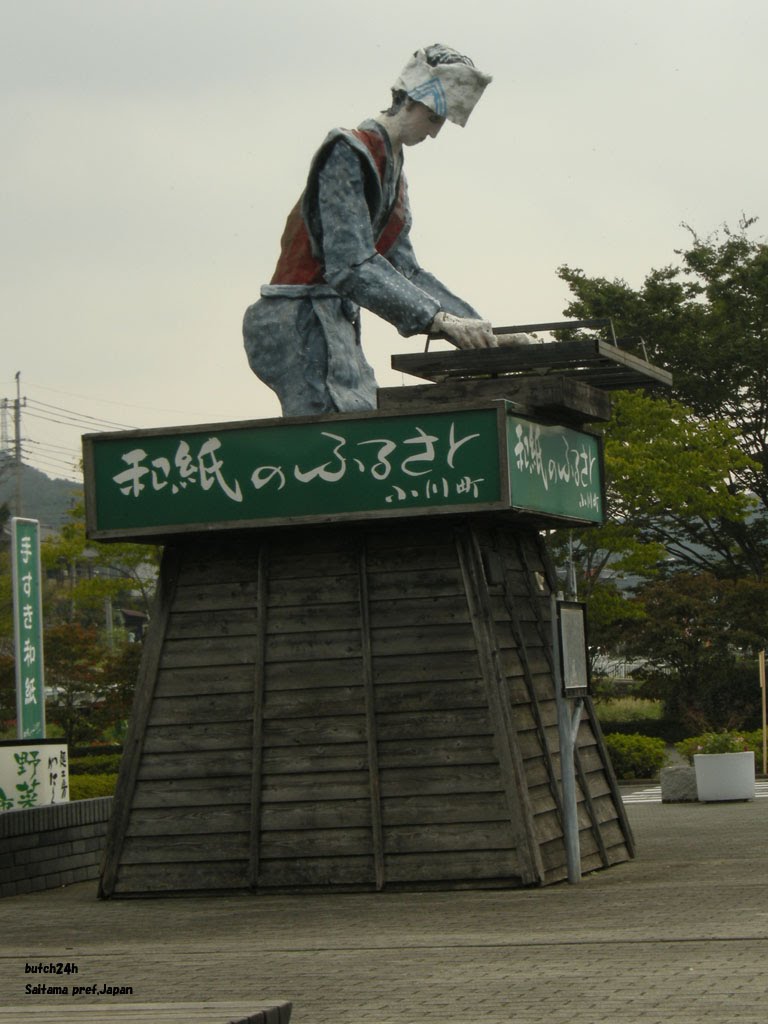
[(302, 338)]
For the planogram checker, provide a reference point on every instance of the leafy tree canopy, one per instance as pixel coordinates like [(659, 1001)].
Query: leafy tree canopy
[(707, 321)]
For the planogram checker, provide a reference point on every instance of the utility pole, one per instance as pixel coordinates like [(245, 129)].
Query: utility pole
[(17, 442)]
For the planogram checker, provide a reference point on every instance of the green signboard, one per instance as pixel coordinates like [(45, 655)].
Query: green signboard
[(160, 482), (556, 470), (28, 629)]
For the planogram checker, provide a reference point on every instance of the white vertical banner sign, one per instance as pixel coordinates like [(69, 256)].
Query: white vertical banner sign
[(28, 628)]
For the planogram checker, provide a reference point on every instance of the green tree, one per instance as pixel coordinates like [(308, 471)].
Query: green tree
[(700, 634), (706, 320), (73, 663), (667, 492), (86, 575)]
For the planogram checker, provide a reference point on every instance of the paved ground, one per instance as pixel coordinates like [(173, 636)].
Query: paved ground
[(677, 936)]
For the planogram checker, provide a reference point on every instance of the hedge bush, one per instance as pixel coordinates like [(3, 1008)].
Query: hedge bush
[(88, 787), (634, 756), (95, 764), (726, 742), (628, 709)]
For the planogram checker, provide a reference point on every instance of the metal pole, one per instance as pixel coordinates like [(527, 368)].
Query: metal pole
[(765, 726), (17, 444), (567, 726)]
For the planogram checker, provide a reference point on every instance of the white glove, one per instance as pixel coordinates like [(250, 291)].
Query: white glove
[(517, 339), (463, 332)]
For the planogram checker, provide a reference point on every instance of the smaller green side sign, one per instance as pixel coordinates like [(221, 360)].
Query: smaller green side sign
[(555, 470)]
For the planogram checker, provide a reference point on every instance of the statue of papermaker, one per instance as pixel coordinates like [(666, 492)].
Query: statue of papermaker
[(346, 244)]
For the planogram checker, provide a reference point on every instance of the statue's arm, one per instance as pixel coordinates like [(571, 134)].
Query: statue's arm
[(403, 258), (352, 265)]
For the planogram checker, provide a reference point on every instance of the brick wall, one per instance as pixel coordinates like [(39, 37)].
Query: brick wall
[(45, 847)]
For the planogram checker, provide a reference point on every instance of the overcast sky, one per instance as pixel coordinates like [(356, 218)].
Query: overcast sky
[(151, 150)]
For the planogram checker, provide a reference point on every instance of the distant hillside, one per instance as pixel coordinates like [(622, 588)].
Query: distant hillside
[(42, 497)]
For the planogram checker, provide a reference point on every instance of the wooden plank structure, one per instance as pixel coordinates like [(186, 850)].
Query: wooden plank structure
[(360, 705), (568, 380), (357, 707)]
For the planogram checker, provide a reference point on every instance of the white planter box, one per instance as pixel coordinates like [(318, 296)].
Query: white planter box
[(725, 776)]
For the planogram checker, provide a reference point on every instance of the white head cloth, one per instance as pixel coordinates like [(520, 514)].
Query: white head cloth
[(450, 87)]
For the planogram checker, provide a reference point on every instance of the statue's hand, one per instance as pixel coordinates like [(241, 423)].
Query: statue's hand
[(464, 332), (516, 339)]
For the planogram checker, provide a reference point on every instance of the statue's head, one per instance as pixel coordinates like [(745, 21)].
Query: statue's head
[(443, 80)]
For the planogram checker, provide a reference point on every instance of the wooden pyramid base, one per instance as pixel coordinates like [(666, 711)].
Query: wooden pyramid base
[(360, 707)]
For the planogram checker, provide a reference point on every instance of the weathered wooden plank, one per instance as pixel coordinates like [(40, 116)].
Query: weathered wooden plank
[(135, 879), (341, 643), (529, 743), (230, 594), (506, 740), (370, 716), (553, 856), (598, 787), (185, 849), (186, 792), (212, 622), (315, 702), (419, 611), (573, 400), (441, 638), (610, 775), (594, 362), (443, 837), (310, 556), (319, 786), (543, 800), (434, 551), (429, 724), (312, 591), (429, 753), (396, 586), (512, 666), (282, 732), (603, 805), (548, 826), (208, 563), (443, 779), (207, 764), (591, 760), (336, 872), (447, 809), (201, 709), (430, 696), (326, 842), (300, 675), (337, 757), (312, 814), (196, 680), (309, 618), (200, 821), (192, 740), (417, 667), (455, 866), (239, 650), (130, 768)]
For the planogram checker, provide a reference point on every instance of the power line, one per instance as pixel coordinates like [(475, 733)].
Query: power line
[(73, 412), (71, 415), (106, 401)]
